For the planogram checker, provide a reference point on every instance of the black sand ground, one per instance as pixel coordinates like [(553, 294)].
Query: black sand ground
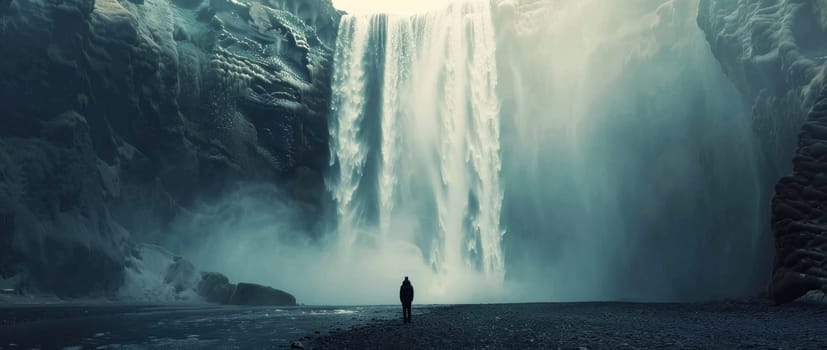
[(175, 326), (724, 325)]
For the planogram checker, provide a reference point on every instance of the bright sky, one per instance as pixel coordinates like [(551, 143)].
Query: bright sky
[(388, 6)]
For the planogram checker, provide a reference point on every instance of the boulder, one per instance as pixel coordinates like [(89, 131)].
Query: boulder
[(788, 285), (216, 288), (256, 294)]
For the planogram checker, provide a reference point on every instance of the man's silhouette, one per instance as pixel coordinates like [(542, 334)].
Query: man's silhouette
[(406, 293)]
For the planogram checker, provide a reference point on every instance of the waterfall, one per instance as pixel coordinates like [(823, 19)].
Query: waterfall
[(415, 137), (602, 136), (604, 139)]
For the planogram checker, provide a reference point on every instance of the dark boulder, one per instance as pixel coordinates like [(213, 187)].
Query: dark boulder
[(788, 286), (216, 288), (255, 294)]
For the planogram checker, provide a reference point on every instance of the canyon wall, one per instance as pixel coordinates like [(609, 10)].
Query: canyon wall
[(118, 118)]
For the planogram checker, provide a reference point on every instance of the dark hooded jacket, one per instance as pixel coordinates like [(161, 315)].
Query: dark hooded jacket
[(406, 292)]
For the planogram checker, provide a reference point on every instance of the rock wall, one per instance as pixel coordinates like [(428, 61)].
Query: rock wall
[(799, 213), (118, 117), (775, 53)]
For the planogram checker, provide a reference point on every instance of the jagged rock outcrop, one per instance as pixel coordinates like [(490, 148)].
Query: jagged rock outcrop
[(775, 51), (116, 117), (799, 213)]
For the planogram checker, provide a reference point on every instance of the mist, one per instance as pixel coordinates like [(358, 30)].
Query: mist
[(522, 151), (630, 167), (258, 234)]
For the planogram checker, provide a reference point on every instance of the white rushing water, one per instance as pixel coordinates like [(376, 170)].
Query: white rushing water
[(419, 158), (346, 146)]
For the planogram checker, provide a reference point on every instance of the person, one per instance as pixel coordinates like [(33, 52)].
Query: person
[(406, 294)]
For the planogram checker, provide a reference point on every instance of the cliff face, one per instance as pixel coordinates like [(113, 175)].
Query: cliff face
[(774, 51), (117, 117)]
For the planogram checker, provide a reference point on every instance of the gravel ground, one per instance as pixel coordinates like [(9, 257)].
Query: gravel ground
[(721, 325)]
